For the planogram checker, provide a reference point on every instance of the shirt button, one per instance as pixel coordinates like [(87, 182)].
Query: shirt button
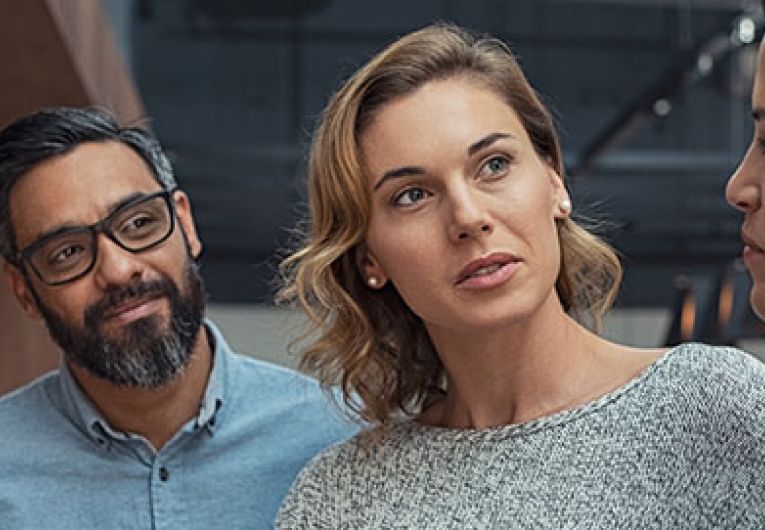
[(164, 474)]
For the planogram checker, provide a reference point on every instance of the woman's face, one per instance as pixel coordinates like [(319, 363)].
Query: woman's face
[(745, 191), (463, 208)]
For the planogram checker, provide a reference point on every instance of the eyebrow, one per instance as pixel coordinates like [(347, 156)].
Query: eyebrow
[(408, 171), (405, 171), (486, 141), (66, 227)]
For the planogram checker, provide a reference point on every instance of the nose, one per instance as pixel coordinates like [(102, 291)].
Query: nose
[(115, 265), (470, 218), (743, 190)]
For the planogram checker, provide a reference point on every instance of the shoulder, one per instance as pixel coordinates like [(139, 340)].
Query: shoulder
[(721, 387), (29, 402), (346, 457), (258, 379), (716, 368), (371, 453), (293, 408), (269, 384), (325, 486), (36, 416), (720, 422), (262, 379), (265, 373)]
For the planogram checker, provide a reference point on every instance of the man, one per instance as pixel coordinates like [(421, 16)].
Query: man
[(151, 421), (746, 188)]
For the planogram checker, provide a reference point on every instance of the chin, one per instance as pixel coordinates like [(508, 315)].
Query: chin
[(489, 321)]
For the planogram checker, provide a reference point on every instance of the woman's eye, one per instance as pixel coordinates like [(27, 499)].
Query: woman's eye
[(409, 196), (495, 166)]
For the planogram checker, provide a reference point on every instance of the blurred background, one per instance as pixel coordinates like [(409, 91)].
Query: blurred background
[(652, 98)]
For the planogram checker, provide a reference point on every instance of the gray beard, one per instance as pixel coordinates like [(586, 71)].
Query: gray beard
[(144, 355)]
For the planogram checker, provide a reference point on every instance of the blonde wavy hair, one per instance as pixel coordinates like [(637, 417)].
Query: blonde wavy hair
[(369, 341)]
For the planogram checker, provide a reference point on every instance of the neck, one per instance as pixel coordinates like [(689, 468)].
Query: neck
[(156, 414), (526, 370)]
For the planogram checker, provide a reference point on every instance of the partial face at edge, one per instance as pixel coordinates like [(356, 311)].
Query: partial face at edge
[(463, 208), (744, 192)]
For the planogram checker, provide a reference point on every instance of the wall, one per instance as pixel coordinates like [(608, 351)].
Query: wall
[(25, 350)]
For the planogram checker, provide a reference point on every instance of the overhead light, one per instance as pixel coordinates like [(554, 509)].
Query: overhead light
[(745, 30), (705, 63), (662, 107)]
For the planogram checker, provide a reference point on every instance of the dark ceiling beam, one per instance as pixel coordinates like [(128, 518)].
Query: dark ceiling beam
[(260, 32), (656, 97), (728, 5), (723, 5)]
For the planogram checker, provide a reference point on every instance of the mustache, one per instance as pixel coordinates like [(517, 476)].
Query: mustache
[(118, 295)]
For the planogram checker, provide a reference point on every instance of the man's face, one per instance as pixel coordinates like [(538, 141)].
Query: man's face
[(134, 318), (745, 189)]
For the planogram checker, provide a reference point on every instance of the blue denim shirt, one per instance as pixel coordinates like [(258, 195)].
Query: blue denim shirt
[(63, 466)]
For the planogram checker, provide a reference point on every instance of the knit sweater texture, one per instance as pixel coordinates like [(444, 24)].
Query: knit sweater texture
[(680, 446)]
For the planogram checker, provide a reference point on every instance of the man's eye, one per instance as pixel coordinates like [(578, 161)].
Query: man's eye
[(409, 196), (66, 254), (138, 223)]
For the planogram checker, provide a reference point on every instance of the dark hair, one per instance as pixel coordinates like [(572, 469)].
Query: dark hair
[(52, 132)]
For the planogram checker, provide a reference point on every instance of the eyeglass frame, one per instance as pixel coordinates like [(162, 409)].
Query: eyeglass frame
[(102, 227)]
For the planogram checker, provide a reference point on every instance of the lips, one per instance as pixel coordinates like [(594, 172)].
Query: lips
[(127, 306), (485, 266)]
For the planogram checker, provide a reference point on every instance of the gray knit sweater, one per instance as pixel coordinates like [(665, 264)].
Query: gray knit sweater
[(680, 446)]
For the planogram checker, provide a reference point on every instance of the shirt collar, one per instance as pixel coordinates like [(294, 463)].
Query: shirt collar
[(81, 410), (213, 398)]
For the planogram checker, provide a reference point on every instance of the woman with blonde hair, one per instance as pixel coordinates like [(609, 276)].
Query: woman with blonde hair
[(454, 300)]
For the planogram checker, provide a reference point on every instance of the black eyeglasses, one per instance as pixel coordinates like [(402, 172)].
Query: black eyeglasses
[(71, 253)]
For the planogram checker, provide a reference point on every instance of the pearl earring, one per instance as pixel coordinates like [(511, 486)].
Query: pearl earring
[(565, 206), (372, 281)]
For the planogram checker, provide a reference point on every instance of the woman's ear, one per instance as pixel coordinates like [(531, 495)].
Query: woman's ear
[(561, 199), (369, 267)]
